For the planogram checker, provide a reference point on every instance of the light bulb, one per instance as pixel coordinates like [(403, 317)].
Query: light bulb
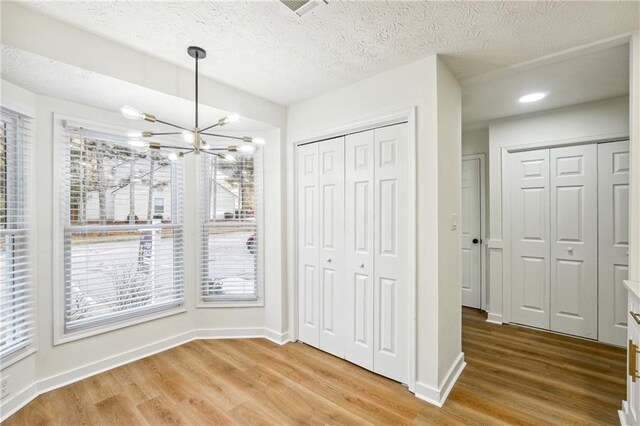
[(246, 148), (229, 157), (137, 143), (258, 141), (173, 156), (187, 136), (228, 119), (134, 134), (131, 113)]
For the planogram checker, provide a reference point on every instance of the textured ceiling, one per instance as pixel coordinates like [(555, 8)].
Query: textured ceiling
[(51, 78), (590, 77), (265, 49)]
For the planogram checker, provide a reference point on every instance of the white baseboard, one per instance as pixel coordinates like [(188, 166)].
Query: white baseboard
[(276, 337), (494, 318), (230, 333), (88, 370), (625, 415), (12, 404), (438, 396), (9, 406)]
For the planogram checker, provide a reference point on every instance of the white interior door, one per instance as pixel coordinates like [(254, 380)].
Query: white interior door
[(471, 248), (613, 241), (359, 247), (331, 215), (574, 240), (391, 289), (529, 199), (308, 244)]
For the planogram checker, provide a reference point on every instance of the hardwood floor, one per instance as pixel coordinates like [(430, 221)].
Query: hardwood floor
[(513, 375)]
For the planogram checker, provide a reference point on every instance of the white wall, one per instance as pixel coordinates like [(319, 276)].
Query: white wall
[(580, 123), (634, 177), (52, 364), (429, 87)]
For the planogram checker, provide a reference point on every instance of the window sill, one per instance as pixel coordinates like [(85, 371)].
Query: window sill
[(251, 304), (81, 334), (18, 356)]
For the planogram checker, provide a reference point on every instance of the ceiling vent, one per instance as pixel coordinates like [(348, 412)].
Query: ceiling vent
[(301, 7)]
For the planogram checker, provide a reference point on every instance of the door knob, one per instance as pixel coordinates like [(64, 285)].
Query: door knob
[(475, 241), (570, 249), (362, 265), (329, 260)]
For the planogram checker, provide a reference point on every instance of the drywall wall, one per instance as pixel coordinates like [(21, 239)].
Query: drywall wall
[(580, 123), (634, 177), (449, 116), (415, 85), (55, 364)]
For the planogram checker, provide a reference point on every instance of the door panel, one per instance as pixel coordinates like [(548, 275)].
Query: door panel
[(529, 174), (331, 183), (308, 244), (574, 240), (471, 274), (359, 247), (613, 241), (391, 292)]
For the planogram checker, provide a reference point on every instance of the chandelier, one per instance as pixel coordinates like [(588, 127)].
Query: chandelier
[(193, 137)]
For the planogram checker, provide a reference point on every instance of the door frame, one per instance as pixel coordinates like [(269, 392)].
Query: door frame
[(506, 202), (400, 116), (483, 226)]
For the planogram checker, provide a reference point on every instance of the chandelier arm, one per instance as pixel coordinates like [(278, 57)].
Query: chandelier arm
[(166, 133), (210, 127), (223, 136), (173, 125), (160, 146), (214, 149)]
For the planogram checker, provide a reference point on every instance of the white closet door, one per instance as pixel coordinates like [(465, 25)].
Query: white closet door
[(308, 244), (529, 175), (471, 278), (391, 289), (574, 240), (331, 214), (613, 241), (359, 247)]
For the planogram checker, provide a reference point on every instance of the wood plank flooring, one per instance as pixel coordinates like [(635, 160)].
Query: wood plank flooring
[(514, 375)]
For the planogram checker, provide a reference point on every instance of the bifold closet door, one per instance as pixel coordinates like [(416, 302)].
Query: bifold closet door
[(321, 244), (391, 289), (331, 215), (359, 247), (308, 244), (613, 240), (574, 240), (529, 199)]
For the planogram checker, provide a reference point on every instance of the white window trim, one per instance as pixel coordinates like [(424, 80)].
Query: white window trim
[(60, 336), (260, 213), (32, 198)]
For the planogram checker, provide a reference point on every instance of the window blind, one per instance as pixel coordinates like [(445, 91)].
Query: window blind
[(123, 258), (16, 305), (229, 229)]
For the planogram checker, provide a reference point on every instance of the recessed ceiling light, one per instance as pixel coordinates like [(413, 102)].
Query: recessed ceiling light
[(532, 97)]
